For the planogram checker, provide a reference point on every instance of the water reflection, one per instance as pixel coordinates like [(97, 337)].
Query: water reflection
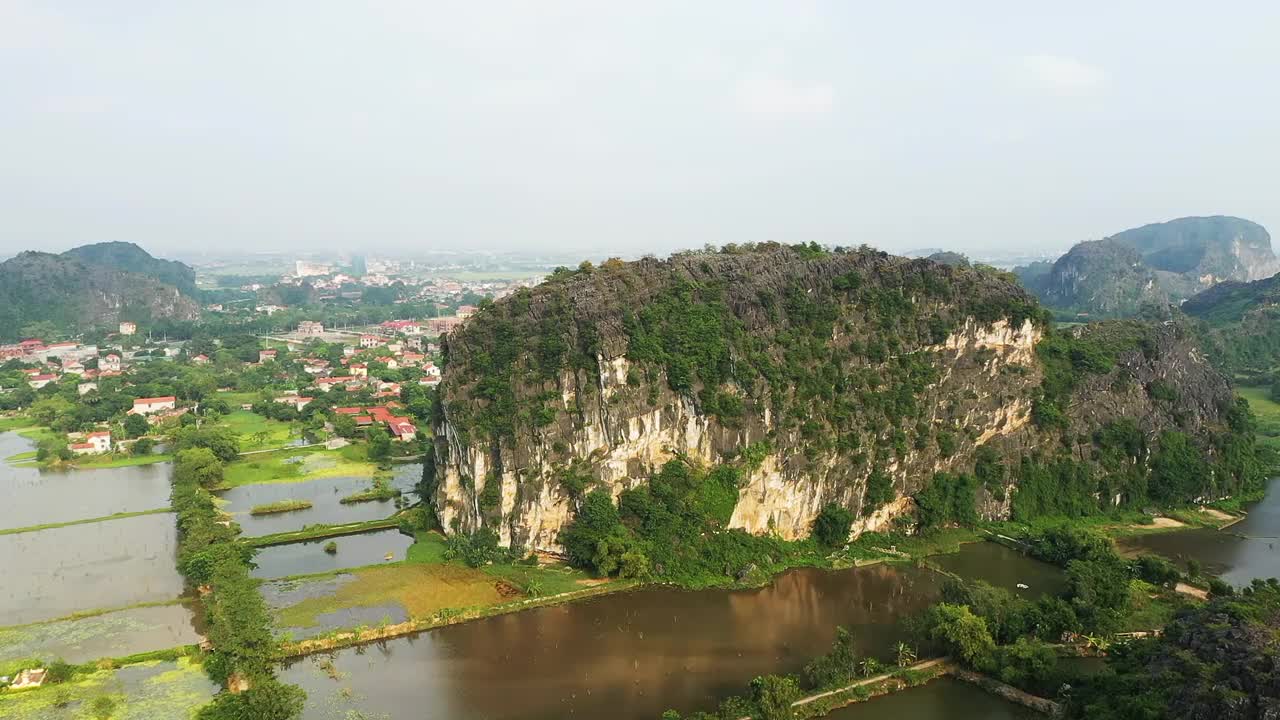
[(34, 496), (1240, 553), (305, 558), (324, 494), (115, 634), (629, 655), (1004, 568), (53, 573), (942, 699)]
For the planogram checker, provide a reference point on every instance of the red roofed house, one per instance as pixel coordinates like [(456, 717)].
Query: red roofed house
[(38, 381), (368, 341), (95, 443), (265, 355), (146, 406), (363, 421), (327, 384), (466, 311), (359, 369), (200, 360), (402, 429), (348, 410)]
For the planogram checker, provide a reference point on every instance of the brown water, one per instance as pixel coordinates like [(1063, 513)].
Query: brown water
[(52, 573), (34, 496), (1247, 550), (942, 699), (305, 558), (1004, 568), (629, 655), (324, 494), (115, 634)]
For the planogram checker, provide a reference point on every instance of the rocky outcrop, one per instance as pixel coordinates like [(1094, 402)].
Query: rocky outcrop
[(1154, 264), (78, 291), (825, 370)]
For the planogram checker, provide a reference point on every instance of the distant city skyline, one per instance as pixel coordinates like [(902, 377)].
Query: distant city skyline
[(594, 129)]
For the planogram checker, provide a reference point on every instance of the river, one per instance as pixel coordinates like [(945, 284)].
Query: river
[(1240, 553), (633, 654), (942, 699)]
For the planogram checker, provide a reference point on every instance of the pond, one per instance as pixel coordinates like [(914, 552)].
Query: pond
[(113, 634), (1004, 568), (34, 496), (53, 573), (325, 496), (171, 690), (627, 655), (1240, 553), (305, 558), (942, 699)]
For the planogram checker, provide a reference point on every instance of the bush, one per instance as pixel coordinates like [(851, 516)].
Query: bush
[(831, 527)]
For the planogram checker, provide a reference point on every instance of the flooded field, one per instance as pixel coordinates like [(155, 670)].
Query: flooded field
[(286, 593), (942, 699), (115, 634), (325, 495), (54, 573), (1240, 553), (148, 691), (1004, 568), (33, 496), (628, 655), (305, 558)]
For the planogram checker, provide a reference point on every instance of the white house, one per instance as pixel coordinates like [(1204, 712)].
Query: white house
[(368, 341), (95, 443), (146, 406), (110, 363), (38, 381), (297, 402), (86, 387), (310, 327), (128, 328)]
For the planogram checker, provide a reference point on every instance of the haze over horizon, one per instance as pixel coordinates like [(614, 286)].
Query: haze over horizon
[(571, 126)]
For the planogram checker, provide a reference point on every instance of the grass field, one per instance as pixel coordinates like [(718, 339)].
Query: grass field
[(113, 461), (14, 423), (1267, 411), (425, 584), (257, 432), (316, 463)]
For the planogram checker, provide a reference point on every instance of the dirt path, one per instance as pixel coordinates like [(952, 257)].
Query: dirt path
[(1164, 523)]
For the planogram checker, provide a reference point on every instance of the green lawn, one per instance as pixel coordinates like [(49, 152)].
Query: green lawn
[(16, 422), (1267, 411), (315, 463), (114, 460), (257, 432)]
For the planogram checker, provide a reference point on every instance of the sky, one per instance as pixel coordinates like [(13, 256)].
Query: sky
[(622, 128)]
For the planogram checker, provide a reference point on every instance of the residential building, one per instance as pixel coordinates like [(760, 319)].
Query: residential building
[(200, 360), (85, 388), (38, 381), (310, 327), (265, 355), (128, 328), (368, 341), (466, 311), (110, 363), (297, 402), (146, 406), (94, 443)]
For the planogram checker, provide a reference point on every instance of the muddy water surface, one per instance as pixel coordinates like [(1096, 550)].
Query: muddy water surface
[(305, 558)]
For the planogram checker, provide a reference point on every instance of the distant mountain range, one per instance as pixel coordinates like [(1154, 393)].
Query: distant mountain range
[(1154, 264), (91, 287)]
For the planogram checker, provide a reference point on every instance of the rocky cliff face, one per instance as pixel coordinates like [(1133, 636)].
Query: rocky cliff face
[(72, 294), (822, 373)]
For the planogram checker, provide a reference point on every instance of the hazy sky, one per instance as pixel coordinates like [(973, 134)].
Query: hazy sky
[(624, 127)]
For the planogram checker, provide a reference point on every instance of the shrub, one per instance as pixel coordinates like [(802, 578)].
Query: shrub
[(831, 527)]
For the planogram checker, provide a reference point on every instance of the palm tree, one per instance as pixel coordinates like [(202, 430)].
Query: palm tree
[(906, 654), (868, 667)]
